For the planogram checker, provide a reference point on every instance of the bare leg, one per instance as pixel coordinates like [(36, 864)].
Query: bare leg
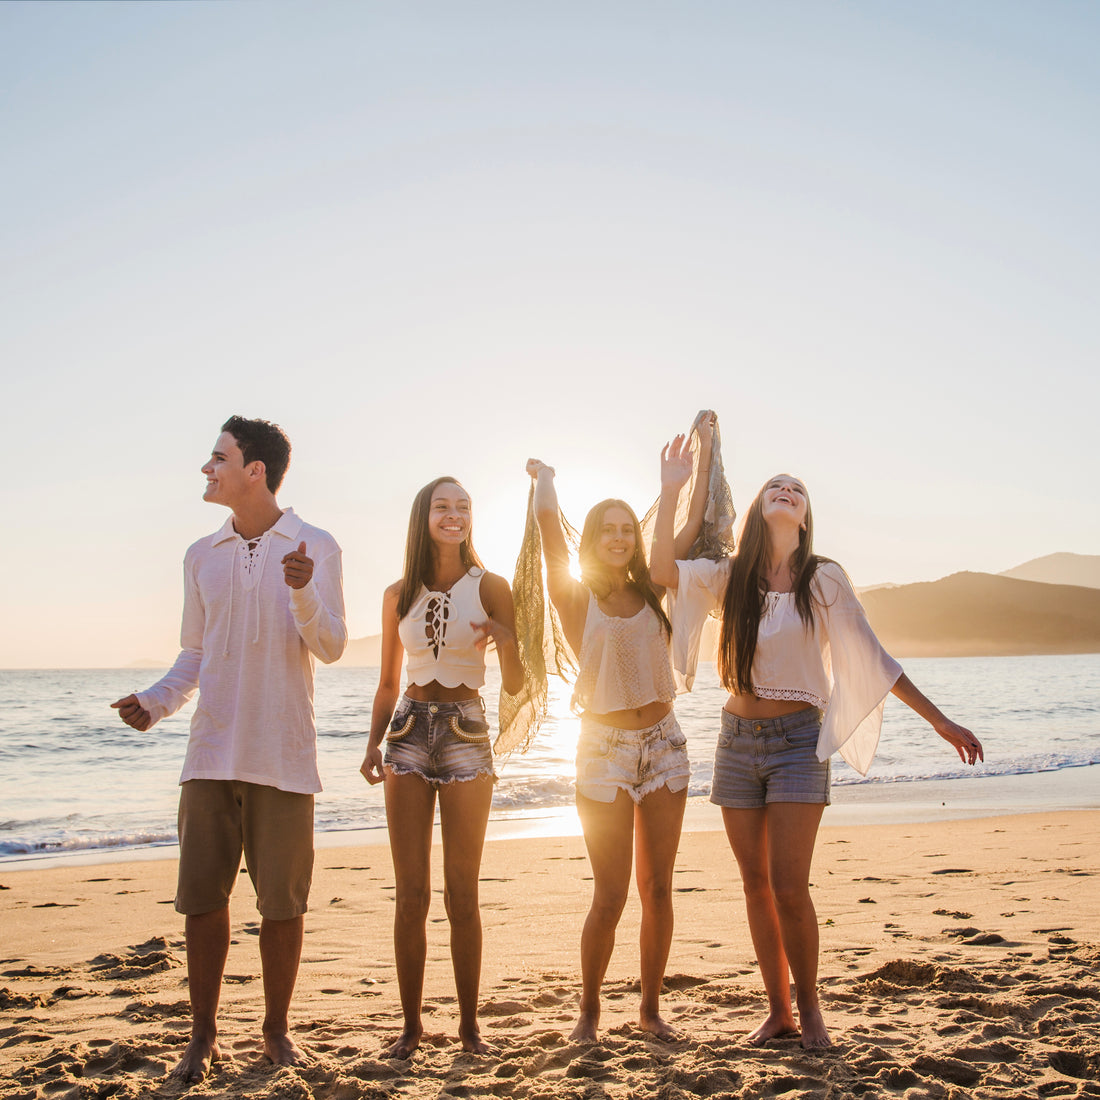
[(280, 953), (658, 820), (463, 817), (410, 812), (608, 836), (207, 938), (748, 836), (792, 831)]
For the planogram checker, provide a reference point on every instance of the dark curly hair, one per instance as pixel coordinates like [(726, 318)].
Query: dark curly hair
[(262, 441)]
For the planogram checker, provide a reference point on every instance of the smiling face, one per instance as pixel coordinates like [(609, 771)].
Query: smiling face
[(227, 476), (784, 500), (449, 515), (616, 541)]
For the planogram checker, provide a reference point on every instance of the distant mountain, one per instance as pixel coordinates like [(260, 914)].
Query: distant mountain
[(1079, 569), (363, 651), (978, 614)]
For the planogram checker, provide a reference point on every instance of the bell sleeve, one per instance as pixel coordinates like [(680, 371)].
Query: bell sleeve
[(701, 588), (860, 670)]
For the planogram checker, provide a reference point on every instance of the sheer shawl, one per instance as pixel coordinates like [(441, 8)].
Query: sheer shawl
[(541, 641)]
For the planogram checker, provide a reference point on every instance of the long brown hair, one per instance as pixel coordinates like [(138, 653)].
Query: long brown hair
[(744, 600), (595, 574), (419, 561)]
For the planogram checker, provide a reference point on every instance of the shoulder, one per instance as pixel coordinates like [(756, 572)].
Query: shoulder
[(317, 539), (201, 548), (704, 571), (830, 582), (494, 590), (392, 592)]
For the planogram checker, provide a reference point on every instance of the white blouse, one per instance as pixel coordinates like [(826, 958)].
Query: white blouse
[(837, 664), (440, 642), (624, 662)]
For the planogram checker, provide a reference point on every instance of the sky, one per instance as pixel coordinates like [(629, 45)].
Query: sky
[(440, 238)]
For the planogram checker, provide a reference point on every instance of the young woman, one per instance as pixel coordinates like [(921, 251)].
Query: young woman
[(807, 677), (632, 764), (443, 613)]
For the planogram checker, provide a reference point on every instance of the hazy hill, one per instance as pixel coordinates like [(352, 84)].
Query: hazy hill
[(978, 614), (964, 615), (1079, 569)]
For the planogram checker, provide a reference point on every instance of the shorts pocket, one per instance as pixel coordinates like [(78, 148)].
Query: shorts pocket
[(401, 726), (802, 737), (474, 731), (676, 738)]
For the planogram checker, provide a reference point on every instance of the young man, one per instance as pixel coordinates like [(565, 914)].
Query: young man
[(262, 597)]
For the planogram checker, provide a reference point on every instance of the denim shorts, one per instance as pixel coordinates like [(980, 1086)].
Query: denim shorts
[(610, 760), (440, 742), (764, 760)]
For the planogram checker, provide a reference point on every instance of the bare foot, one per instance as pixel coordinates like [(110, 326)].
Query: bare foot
[(473, 1043), (775, 1026), (406, 1043), (197, 1059), (658, 1028), (585, 1031), (283, 1051), (814, 1035)]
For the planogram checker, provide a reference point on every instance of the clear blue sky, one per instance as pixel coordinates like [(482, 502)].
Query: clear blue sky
[(441, 237)]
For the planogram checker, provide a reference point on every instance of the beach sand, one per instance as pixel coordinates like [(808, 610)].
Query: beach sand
[(958, 959)]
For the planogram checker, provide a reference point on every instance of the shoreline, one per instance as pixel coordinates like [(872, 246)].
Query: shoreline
[(884, 803)]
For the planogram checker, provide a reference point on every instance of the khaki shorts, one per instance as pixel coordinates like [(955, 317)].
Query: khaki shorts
[(221, 818)]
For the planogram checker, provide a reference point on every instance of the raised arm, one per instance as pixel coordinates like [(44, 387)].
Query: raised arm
[(675, 474), (958, 737), (697, 506), (317, 599), (389, 687), (568, 595)]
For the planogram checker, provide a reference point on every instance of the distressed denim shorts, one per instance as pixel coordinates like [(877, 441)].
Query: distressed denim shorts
[(440, 742), (610, 760), (764, 760)]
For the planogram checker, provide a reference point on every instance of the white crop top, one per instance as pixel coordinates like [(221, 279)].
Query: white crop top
[(838, 664), (624, 663), (437, 636)]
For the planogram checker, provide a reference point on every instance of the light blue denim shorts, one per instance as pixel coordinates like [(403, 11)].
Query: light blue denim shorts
[(764, 760), (440, 742), (610, 760)]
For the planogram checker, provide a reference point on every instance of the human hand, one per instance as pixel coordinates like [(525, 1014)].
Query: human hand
[(297, 567), (371, 768), (133, 713), (964, 742), (535, 466), (704, 424), (491, 634), (675, 464)]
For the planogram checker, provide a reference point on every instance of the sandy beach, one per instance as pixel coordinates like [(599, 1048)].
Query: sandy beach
[(958, 959)]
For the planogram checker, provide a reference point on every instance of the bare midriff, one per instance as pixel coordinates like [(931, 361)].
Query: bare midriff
[(752, 706), (435, 692), (638, 718)]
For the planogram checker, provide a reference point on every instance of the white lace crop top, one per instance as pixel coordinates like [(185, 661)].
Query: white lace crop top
[(437, 636), (838, 664), (624, 663)]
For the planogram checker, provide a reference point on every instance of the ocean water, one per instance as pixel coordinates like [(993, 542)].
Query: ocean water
[(74, 778)]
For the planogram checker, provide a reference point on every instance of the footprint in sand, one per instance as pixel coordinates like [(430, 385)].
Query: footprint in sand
[(952, 1070)]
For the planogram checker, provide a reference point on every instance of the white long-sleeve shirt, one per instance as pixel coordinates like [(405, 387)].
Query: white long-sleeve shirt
[(838, 664), (248, 643)]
